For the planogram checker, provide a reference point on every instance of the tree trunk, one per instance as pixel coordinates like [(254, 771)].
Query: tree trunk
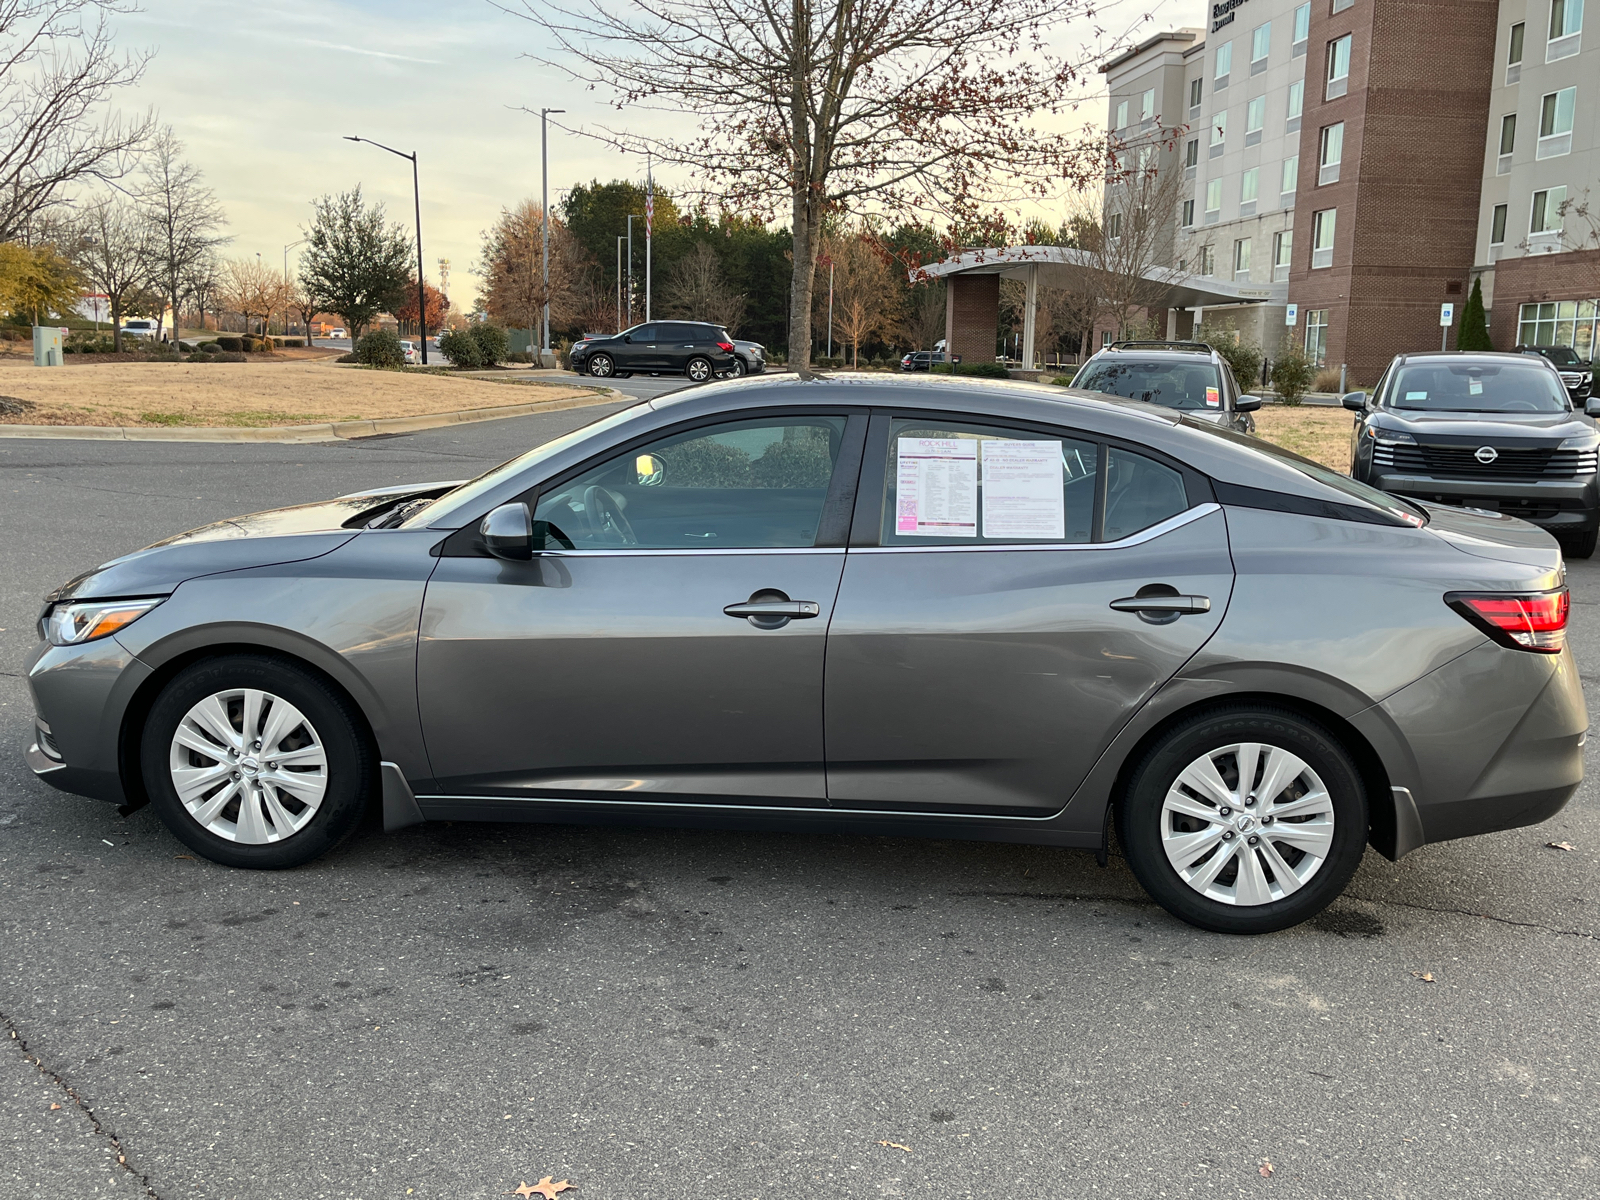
[(116, 322), (806, 239)]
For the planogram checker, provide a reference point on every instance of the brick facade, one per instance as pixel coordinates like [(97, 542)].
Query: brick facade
[(1574, 275), (971, 317), (1407, 197)]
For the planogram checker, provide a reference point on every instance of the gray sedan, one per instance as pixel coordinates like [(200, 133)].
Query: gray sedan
[(869, 605)]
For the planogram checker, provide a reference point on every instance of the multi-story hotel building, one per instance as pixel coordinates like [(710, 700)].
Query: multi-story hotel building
[(1365, 160)]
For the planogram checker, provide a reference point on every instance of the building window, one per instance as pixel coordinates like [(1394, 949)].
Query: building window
[(1122, 115), (1249, 185), (1322, 238), (1260, 44), (1330, 153), (1566, 27), (1297, 104), (1208, 260), (1241, 259), (1546, 215), (1191, 154), (1224, 66), (1497, 232), (1508, 143), (1255, 117), (1563, 323), (1188, 214), (1147, 105), (1317, 336), (1105, 338), (1514, 57), (1219, 133), (1302, 29), (1291, 177), (1338, 67), (1282, 251), (1195, 86), (1213, 200), (1340, 5), (1555, 123), (1114, 225)]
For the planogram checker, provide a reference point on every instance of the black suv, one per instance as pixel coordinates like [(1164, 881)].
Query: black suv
[(697, 349), (1575, 374), (1188, 376), (1484, 431)]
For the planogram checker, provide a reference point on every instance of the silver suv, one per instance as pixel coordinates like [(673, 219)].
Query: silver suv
[(1188, 376)]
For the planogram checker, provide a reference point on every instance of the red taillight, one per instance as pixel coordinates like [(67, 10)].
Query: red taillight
[(1537, 622), (725, 347)]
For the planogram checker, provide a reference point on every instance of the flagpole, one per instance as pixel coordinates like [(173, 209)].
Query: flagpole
[(649, 228)]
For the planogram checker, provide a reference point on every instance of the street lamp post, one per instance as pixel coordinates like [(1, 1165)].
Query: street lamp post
[(286, 250), (544, 221), (631, 216), (619, 283), (416, 194)]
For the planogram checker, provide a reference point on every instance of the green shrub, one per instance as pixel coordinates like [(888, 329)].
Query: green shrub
[(232, 344), (208, 347), (982, 370), (493, 345), (520, 356), (220, 356), (461, 348), (1244, 357), (380, 348), (1292, 372), (290, 343), (347, 358), (186, 347)]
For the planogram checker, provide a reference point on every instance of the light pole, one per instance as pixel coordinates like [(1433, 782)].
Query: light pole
[(544, 221), (416, 194), (631, 216), (286, 250), (619, 284)]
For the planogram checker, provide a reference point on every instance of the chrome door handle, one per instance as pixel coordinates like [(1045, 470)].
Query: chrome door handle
[(1163, 606), (795, 609)]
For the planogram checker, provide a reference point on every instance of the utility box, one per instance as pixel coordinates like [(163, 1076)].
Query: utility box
[(47, 346)]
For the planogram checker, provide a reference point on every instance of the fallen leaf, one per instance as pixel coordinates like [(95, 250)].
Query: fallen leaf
[(190, 857), (1561, 845), (896, 1146), (543, 1188), (1265, 1169), (53, 1107), (1425, 976)]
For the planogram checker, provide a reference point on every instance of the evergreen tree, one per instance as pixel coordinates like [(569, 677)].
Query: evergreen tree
[(1474, 333)]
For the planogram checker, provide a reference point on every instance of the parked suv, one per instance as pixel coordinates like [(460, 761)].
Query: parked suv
[(1189, 376), (1484, 431), (922, 360), (1576, 375), (697, 349)]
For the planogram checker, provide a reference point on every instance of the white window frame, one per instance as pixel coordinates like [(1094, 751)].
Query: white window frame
[(1544, 212), (1241, 260), (1323, 230), (1186, 220), (1317, 336), (1330, 153), (1338, 85), (1565, 33), (1208, 261), (1498, 215), (1147, 105), (1249, 191), (1219, 133), (1260, 40), (1121, 121), (1196, 91), (1291, 176), (1223, 68), (1213, 188), (1559, 117), (1301, 30), (1282, 254)]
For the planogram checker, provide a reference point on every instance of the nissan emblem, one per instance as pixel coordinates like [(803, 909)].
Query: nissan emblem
[(1486, 454)]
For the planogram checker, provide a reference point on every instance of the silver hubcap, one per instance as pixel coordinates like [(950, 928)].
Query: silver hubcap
[(738, 366), (248, 766), (600, 366), (1247, 824), (699, 371)]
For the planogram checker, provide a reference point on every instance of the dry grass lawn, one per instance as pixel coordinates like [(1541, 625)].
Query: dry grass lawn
[(245, 394), (1320, 434)]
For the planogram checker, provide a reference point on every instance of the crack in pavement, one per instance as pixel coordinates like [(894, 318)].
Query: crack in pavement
[(82, 1106), (1482, 916)]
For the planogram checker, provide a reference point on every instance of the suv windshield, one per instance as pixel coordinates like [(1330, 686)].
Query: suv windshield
[(1562, 356), (1186, 383), (1489, 387)]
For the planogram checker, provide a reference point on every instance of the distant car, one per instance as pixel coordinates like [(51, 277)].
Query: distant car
[(1576, 375), (750, 358), (697, 349), (337, 333), (1188, 376), (141, 328), (922, 360), (410, 348)]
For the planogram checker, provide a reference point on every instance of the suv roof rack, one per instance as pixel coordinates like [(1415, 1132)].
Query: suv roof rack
[(1159, 345)]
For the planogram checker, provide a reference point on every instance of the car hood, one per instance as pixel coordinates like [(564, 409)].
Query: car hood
[(1478, 428), (1493, 535), (263, 539)]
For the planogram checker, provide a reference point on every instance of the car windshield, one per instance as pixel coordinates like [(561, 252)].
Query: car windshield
[(1562, 356), (1484, 386), (454, 502), (1185, 384)]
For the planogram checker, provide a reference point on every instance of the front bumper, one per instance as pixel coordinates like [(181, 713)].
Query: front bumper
[(1559, 505), (81, 694)]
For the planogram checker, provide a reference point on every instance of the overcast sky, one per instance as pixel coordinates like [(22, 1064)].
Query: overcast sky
[(262, 92)]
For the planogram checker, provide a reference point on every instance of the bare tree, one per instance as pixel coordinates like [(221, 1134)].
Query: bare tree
[(696, 288), (109, 247), (202, 285), (1131, 248), (512, 267), (253, 289), (183, 216), (307, 304), (865, 292), (924, 314), (58, 68), (820, 105)]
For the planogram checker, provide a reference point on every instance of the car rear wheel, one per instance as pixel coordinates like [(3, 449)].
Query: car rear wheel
[(601, 366), (1579, 545), (256, 762), (1245, 820), (699, 369)]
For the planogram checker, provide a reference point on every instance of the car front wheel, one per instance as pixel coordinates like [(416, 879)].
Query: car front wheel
[(1244, 820), (256, 762), (601, 366), (1579, 545)]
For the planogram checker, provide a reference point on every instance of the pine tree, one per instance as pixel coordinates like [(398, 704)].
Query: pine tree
[(1474, 333)]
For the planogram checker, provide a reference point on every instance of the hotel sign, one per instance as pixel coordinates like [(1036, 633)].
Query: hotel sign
[(1222, 14)]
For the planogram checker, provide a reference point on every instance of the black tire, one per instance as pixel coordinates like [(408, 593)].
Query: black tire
[(698, 369), (1579, 545), (739, 368), (1140, 815), (601, 366), (351, 766)]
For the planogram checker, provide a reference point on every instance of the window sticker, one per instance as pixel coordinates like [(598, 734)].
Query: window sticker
[(1474, 387), (1213, 398), (1022, 496), (937, 487), (1416, 395)]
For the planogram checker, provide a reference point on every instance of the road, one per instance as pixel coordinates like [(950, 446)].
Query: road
[(449, 1011)]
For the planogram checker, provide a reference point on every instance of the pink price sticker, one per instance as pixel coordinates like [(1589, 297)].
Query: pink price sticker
[(1213, 398)]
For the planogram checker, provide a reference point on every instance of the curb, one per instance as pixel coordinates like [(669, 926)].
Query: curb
[(291, 434)]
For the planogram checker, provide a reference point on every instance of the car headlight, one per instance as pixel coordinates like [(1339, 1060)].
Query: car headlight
[(73, 624), (1584, 441), (1390, 437)]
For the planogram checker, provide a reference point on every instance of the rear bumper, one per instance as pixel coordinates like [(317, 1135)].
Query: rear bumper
[(1565, 505)]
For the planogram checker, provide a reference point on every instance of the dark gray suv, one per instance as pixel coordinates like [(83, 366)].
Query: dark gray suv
[(1189, 377), (1486, 431), (697, 349)]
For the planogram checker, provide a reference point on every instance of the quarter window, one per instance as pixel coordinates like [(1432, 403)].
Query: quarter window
[(739, 485), (1140, 492)]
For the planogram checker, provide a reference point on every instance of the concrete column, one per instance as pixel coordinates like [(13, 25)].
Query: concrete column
[(1029, 316), (1172, 324)]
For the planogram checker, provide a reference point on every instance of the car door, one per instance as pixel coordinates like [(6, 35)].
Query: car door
[(988, 640), (677, 341), (672, 649), (639, 349)]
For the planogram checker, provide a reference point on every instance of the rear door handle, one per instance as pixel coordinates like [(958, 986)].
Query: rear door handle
[(1163, 606), (795, 609)]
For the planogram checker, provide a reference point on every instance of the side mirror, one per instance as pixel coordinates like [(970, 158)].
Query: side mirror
[(1355, 401), (1591, 407), (1247, 404), (627, 337), (508, 532)]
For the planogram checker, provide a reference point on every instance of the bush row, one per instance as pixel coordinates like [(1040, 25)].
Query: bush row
[(478, 345)]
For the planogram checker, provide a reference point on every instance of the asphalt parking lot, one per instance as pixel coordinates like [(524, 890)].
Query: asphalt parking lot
[(450, 1011)]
